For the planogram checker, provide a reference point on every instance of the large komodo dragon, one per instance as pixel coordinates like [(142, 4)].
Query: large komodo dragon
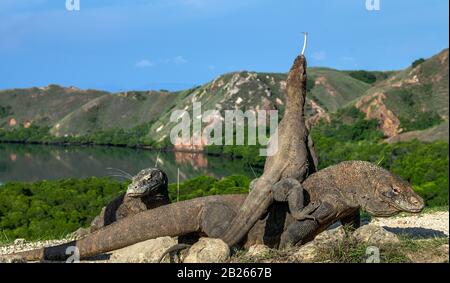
[(343, 189), (148, 190), (288, 168)]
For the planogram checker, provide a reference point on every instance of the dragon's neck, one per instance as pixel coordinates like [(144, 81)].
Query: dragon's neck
[(296, 89)]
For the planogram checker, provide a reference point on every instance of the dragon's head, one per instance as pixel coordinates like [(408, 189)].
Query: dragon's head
[(146, 182), (389, 194)]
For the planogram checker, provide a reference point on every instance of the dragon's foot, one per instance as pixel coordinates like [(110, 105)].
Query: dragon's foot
[(305, 213)]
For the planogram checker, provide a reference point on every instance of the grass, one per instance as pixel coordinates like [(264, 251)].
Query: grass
[(435, 209), (352, 251), (349, 250)]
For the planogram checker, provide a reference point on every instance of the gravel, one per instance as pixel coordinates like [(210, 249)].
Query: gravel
[(428, 225)]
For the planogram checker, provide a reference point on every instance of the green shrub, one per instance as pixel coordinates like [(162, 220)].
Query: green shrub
[(420, 121), (364, 76), (5, 111), (418, 62), (51, 209), (207, 186)]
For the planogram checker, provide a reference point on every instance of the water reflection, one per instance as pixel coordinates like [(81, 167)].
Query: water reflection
[(38, 162)]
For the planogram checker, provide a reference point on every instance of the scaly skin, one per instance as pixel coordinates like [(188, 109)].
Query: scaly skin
[(341, 190), (148, 190), (292, 160)]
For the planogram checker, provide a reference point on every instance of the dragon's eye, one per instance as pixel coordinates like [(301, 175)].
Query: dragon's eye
[(395, 190)]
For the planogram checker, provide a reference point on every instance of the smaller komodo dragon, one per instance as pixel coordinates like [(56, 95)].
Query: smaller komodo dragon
[(148, 190), (343, 189)]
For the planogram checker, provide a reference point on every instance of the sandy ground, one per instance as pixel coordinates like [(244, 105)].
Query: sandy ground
[(429, 225)]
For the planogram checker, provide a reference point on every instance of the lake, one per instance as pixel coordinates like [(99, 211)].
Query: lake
[(20, 162)]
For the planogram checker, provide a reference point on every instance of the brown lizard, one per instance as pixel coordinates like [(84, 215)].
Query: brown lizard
[(342, 189)]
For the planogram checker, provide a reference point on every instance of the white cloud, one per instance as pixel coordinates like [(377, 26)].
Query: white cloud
[(144, 64), (319, 55), (179, 60)]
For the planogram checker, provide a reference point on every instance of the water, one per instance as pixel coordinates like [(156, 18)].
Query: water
[(40, 162)]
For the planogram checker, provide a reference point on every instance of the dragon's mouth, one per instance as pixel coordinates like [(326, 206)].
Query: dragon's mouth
[(384, 213), (409, 210), (403, 206)]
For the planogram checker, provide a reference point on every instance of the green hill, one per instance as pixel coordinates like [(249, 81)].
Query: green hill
[(412, 100), (415, 99)]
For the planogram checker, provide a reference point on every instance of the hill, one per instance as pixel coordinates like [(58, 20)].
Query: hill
[(415, 99), (412, 100)]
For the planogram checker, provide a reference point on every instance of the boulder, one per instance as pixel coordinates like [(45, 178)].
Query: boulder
[(145, 252), (330, 236), (258, 251), (208, 250), (307, 253), (375, 235)]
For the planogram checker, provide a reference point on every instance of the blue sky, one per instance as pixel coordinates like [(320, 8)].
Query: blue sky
[(174, 44)]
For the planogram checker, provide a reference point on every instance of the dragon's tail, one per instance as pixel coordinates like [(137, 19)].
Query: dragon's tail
[(171, 220)]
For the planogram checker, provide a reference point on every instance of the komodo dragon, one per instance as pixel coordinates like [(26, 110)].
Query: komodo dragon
[(343, 189), (290, 165), (148, 190)]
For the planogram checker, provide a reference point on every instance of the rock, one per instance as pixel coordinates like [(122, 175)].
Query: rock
[(145, 252), (333, 235), (307, 253), (19, 241), (208, 250), (258, 251), (375, 235)]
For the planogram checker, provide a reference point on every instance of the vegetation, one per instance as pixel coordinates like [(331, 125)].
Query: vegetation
[(418, 62), (5, 111), (420, 121), (207, 186), (351, 251), (134, 137), (51, 209), (364, 76)]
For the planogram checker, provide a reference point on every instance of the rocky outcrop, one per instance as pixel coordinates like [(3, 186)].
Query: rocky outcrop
[(375, 235), (145, 252), (374, 107), (208, 250), (311, 251), (258, 251)]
